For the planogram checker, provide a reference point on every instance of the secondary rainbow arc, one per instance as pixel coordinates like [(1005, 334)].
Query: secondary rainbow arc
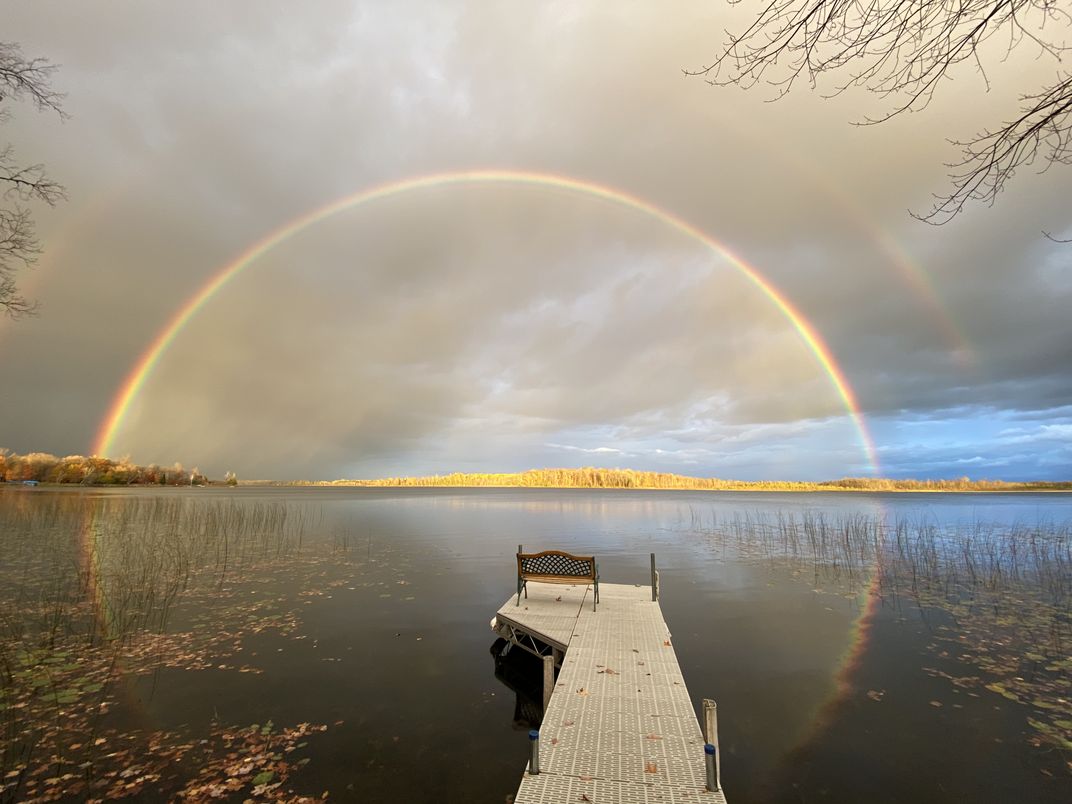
[(137, 376)]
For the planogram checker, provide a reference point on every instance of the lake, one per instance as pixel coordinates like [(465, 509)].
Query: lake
[(280, 643)]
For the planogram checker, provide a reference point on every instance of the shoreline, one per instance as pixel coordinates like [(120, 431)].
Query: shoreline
[(502, 487), (815, 490), (321, 484)]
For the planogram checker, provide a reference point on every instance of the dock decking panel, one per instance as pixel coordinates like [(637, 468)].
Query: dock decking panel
[(549, 612), (620, 726)]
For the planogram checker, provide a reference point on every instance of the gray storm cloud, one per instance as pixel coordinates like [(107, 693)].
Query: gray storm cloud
[(472, 327)]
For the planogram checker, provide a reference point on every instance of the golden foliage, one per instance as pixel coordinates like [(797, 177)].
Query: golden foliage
[(92, 471), (591, 477)]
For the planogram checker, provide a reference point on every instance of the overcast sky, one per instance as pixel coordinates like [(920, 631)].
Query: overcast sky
[(505, 326)]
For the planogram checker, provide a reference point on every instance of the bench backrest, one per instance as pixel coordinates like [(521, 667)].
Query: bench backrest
[(558, 563)]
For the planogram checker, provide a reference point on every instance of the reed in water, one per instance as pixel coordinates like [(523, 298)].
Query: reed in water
[(89, 589), (999, 598)]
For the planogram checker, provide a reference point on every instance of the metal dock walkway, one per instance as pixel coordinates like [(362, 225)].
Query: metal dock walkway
[(619, 726)]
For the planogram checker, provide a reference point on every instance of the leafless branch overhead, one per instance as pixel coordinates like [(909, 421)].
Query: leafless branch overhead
[(22, 78), (902, 50)]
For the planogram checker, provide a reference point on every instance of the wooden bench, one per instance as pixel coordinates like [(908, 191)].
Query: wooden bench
[(556, 566)]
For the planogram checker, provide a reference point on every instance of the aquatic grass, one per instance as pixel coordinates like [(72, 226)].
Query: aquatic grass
[(1005, 592), (88, 591)]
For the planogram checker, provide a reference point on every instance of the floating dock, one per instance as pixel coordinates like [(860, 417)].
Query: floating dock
[(619, 725)]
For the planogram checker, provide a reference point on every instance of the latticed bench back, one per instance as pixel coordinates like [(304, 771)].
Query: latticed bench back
[(554, 563), (555, 566)]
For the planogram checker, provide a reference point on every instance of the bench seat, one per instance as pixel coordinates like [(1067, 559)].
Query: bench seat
[(556, 566)]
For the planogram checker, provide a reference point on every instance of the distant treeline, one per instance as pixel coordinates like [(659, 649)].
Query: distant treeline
[(42, 467), (593, 478), (45, 468)]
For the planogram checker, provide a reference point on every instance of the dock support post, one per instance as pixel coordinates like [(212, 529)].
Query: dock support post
[(654, 580), (548, 679), (534, 744), (710, 722), (710, 763)]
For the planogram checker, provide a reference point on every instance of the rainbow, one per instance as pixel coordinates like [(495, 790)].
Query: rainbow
[(868, 601), (89, 566), (861, 636), (911, 272), (138, 375)]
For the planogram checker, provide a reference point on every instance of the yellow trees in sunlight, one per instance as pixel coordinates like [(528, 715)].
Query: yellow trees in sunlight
[(594, 478), (94, 470)]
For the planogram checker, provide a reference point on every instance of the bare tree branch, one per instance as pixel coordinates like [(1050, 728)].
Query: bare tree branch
[(1042, 130), (27, 183), (903, 50), (22, 78)]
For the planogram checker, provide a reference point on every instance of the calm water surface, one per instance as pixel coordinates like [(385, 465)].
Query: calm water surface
[(134, 628)]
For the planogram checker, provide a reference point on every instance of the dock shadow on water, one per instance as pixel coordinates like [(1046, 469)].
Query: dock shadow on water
[(522, 674), (284, 644)]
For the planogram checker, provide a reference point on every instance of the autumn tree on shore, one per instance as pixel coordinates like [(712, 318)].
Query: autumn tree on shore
[(91, 471), (593, 478)]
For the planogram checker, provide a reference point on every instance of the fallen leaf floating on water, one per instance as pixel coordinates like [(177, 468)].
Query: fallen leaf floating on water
[(876, 695)]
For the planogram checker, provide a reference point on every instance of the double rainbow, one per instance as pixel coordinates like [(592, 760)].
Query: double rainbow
[(142, 369)]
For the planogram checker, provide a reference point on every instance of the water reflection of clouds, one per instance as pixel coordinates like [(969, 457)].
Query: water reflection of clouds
[(392, 565)]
